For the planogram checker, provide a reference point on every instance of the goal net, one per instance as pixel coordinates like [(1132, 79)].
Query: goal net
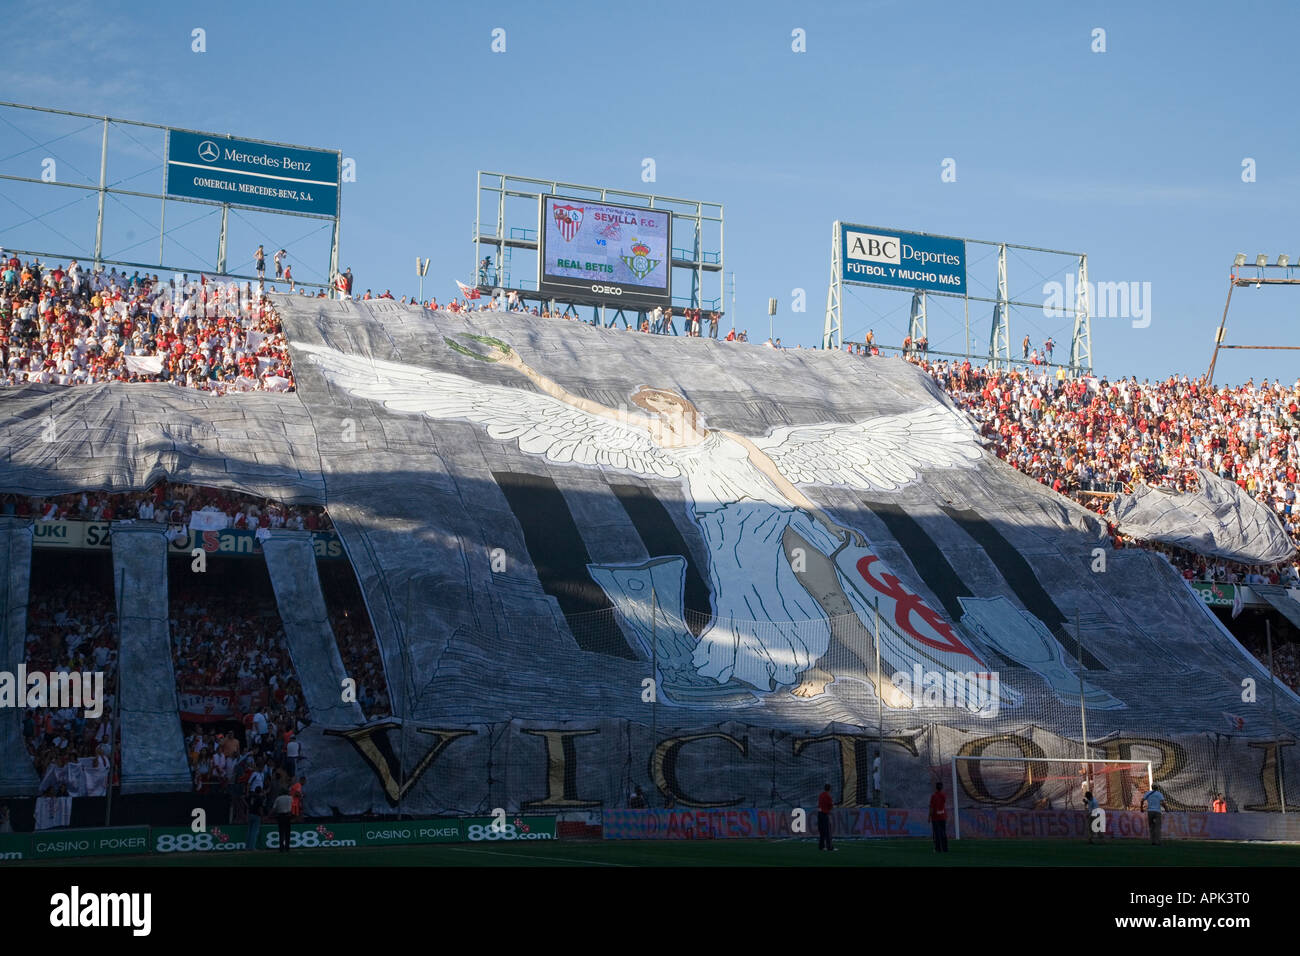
[(1047, 783)]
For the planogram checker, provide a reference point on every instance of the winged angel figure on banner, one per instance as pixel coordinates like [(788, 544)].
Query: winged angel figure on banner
[(770, 626)]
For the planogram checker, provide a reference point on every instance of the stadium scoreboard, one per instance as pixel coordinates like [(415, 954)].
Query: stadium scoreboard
[(605, 253)]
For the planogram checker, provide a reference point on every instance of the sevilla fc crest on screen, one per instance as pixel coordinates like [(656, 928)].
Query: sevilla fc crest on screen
[(568, 219)]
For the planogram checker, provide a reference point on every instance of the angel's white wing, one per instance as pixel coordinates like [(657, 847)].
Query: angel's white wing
[(537, 423), (879, 454)]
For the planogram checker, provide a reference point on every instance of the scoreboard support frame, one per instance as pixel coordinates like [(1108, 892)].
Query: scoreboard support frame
[(498, 233)]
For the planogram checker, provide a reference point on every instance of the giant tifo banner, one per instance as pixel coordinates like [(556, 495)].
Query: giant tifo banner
[(96, 535), (595, 561)]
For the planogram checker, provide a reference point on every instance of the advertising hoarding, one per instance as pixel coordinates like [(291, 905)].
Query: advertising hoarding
[(909, 260), (248, 173)]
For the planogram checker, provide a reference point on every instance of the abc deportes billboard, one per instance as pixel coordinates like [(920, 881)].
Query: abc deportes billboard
[(911, 260), (599, 252)]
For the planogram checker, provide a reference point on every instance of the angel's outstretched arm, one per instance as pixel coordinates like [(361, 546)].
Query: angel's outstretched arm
[(553, 388)]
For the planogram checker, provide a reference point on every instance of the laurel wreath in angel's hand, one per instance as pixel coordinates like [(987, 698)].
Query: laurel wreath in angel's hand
[(496, 349)]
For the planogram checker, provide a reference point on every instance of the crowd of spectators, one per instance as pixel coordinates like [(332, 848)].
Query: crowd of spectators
[(173, 504), (222, 641), (73, 326), (70, 628), (359, 651), (1086, 435)]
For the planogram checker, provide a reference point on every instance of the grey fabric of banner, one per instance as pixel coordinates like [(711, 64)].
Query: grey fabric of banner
[(17, 775), (291, 563), (152, 746)]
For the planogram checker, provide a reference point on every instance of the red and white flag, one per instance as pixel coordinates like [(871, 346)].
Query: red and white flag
[(1236, 722), (466, 291)]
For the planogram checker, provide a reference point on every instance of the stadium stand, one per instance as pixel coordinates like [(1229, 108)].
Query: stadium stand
[(71, 627), (1094, 435), (422, 496), (73, 326)]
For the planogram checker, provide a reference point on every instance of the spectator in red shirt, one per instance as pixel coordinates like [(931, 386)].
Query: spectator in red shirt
[(939, 818), (824, 806)]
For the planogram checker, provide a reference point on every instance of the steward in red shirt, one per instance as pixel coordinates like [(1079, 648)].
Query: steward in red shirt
[(939, 818), (824, 806)]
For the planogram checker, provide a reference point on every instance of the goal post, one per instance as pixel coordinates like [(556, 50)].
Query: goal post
[(1030, 774)]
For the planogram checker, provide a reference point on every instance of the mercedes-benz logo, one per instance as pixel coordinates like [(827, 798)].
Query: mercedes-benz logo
[(208, 151)]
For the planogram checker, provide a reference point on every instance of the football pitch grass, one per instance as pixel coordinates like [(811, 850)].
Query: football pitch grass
[(744, 853)]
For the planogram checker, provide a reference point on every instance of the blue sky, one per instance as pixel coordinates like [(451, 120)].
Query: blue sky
[(1133, 156)]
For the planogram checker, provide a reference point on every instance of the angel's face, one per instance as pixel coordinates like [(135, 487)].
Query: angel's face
[(665, 405)]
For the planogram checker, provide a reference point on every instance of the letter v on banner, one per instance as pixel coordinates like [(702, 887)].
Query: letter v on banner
[(378, 754)]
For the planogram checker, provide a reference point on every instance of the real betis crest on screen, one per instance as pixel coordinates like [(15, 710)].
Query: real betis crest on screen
[(639, 261)]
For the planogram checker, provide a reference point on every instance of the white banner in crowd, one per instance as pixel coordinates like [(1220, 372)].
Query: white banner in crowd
[(208, 520), (53, 812), (144, 364), (253, 340), (274, 383)]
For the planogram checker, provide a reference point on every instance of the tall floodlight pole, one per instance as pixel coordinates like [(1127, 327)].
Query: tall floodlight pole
[(1218, 336), (421, 270)]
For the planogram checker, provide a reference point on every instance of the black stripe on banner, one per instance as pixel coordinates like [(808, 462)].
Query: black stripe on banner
[(560, 556), (662, 539), (1020, 576), (925, 556)]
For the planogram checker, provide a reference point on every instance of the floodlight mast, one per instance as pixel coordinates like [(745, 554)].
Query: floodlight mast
[(1236, 278)]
